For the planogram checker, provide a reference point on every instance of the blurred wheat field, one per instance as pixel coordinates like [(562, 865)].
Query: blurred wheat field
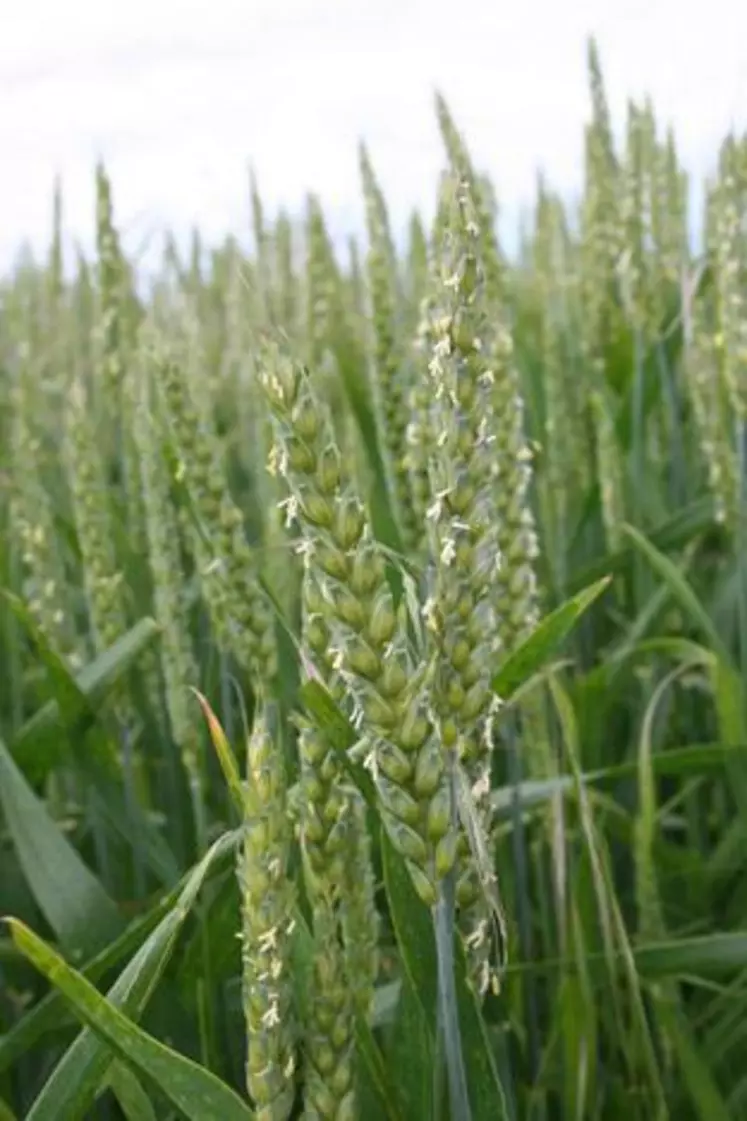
[(373, 701)]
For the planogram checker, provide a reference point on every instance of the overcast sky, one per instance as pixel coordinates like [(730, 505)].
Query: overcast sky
[(179, 95)]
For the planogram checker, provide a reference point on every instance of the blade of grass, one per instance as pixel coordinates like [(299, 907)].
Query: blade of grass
[(50, 1012), (132, 1098), (197, 1093), (71, 1088), (680, 588), (79, 910), (542, 644)]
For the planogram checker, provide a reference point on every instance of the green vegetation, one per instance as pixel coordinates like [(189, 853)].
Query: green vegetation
[(373, 633)]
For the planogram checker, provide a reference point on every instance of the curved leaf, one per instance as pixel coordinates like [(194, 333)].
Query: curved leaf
[(132, 1098), (191, 1088), (540, 646), (680, 588), (71, 1088), (73, 901), (50, 1012)]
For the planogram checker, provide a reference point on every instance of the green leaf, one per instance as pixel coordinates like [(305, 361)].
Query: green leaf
[(680, 588), (676, 532), (38, 745), (95, 757), (71, 1088), (71, 701), (696, 760), (413, 929), (623, 981), (189, 1087), (81, 913), (728, 691), (694, 1069), (6, 1113), (303, 964), (218, 925), (574, 1009), (129, 821), (376, 1077), (226, 757), (536, 650), (50, 1012), (132, 1098), (409, 1055), (415, 1037), (709, 955), (83, 731), (485, 1090), (385, 1004), (415, 938)]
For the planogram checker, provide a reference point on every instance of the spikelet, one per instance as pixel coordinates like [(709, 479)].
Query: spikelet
[(670, 214), (634, 264), (601, 227), (55, 272), (325, 799)]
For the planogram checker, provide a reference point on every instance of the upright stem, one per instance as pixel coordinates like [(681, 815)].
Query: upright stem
[(443, 925)]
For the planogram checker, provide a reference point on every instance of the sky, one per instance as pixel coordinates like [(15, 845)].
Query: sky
[(179, 97)]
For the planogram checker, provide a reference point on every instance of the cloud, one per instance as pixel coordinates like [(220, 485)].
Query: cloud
[(178, 97)]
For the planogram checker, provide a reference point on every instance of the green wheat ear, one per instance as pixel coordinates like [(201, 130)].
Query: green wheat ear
[(240, 613), (164, 555), (369, 640), (93, 520), (32, 516), (267, 907), (463, 531)]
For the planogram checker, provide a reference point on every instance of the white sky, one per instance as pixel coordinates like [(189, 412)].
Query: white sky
[(179, 95)]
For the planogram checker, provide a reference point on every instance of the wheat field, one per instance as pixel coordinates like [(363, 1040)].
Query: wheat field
[(373, 658)]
